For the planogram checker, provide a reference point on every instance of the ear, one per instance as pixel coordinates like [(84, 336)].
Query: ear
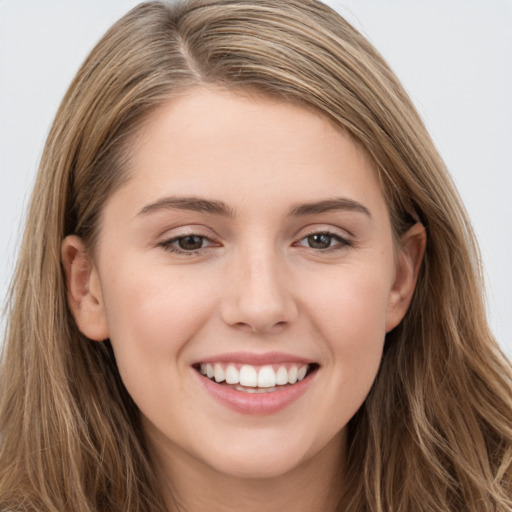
[(408, 264), (83, 289)]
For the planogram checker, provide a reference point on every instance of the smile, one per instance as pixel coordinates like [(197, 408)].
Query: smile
[(265, 387), (255, 379)]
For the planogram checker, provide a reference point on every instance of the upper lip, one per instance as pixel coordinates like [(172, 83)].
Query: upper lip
[(255, 359)]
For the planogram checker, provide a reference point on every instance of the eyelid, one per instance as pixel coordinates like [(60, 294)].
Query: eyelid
[(327, 229), (345, 241), (167, 241), (179, 230)]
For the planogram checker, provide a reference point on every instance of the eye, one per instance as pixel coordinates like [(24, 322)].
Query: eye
[(187, 244), (190, 242), (324, 241)]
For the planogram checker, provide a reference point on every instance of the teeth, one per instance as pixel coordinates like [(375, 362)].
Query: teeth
[(265, 377), (232, 375), (300, 374), (219, 373), (256, 390), (292, 375), (282, 376), (248, 376)]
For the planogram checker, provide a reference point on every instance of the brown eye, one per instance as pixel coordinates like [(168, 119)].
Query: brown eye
[(319, 241), (190, 242), (325, 242), (189, 245)]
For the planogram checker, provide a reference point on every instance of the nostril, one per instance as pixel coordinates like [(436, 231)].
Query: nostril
[(244, 326), (261, 326)]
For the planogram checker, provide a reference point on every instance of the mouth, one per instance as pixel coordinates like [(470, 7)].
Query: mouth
[(256, 379)]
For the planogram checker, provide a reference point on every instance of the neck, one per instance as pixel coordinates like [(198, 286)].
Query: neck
[(188, 485)]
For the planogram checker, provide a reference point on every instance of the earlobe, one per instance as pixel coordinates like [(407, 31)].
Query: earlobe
[(83, 289), (409, 260)]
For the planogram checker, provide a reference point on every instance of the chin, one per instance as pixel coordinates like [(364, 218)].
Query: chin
[(260, 458), (258, 468)]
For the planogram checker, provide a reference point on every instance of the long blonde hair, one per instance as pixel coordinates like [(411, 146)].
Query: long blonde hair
[(435, 432)]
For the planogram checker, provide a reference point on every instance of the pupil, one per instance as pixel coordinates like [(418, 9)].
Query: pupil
[(319, 241), (190, 243)]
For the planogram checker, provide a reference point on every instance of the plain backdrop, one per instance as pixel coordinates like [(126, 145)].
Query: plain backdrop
[(453, 56)]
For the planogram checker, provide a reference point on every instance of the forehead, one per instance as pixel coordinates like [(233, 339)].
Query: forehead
[(246, 150)]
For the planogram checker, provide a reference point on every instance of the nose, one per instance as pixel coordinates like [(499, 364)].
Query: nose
[(258, 296)]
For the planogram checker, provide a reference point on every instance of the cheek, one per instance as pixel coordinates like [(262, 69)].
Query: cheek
[(152, 312), (350, 316), (353, 302), (347, 319)]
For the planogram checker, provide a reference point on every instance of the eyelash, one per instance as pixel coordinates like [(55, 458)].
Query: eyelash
[(341, 243), (168, 245)]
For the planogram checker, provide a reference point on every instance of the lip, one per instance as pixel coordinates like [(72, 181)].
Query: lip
[(259, 404), (255, 359)]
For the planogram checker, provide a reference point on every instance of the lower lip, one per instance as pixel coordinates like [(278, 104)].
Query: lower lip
[(256, 403)]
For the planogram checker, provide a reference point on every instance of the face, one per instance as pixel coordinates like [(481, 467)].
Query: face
[(246, 276)]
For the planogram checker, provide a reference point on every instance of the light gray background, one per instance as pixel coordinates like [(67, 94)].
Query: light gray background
[(453, 56)]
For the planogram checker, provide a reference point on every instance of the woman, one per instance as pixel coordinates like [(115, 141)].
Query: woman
[(247, 281)]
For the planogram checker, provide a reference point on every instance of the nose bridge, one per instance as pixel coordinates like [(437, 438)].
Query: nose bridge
[(259, 295)]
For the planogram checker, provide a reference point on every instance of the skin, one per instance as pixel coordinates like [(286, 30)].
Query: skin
[(256, 285)]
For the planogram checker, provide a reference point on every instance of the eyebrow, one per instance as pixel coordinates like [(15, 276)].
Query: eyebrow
[(195, 204), (329, 205), (198, 204)]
